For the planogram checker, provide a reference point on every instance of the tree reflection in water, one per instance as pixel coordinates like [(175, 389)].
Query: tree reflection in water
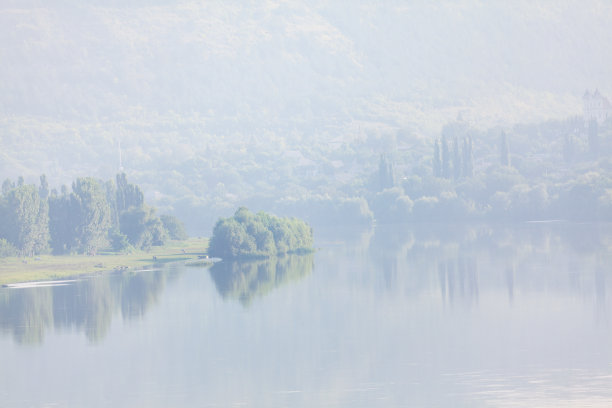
[(563, 256), (87, 305), (26, 314), (459, 262), (246, 280)]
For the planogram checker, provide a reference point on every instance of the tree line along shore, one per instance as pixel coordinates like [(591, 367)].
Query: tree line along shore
[(101, 226), (94, 215)]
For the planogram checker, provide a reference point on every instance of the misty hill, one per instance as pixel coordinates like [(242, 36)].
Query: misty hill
[(261, 63), (202, 94)]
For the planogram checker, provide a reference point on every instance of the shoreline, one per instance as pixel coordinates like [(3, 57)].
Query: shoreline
[(17, 270)]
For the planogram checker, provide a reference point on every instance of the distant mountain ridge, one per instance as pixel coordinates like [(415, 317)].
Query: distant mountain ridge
[(294, 61)]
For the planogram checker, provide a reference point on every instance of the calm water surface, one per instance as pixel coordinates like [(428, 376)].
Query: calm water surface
[(393, 317)]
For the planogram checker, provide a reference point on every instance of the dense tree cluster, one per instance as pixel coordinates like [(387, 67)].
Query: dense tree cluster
[(88, 218), (461, 162), (24, 218), (550, 170), (248, 235)]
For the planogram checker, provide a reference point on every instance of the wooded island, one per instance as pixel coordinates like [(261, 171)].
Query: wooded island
[(248, 235)]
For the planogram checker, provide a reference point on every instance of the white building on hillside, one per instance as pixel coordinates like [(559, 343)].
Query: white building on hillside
[(596, 106)]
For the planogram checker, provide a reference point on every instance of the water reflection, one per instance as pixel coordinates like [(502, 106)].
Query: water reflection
[(86, 305), (430, 315), (26, 314), (458, 278), (246, 280), (560, 257)]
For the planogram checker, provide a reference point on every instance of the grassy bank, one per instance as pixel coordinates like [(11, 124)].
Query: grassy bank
[(49, 267)]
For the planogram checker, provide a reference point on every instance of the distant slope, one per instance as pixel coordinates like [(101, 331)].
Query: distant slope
[(201, 94), (295, 61)]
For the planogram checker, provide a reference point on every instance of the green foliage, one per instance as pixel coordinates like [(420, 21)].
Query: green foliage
[(425, 208), (468, 158), (128, 195), (7, 186), (585, 198), (63, 221), (94, 218), (258, 235), (446, 167), (457, 167), (119, 242), (437, 162), (24, 220), (593, 138), (392, 205), (385, 173), (330, 211), (43, 190), (143, 228), (501, 178), (87, 218), (7, 249), (174, 226)]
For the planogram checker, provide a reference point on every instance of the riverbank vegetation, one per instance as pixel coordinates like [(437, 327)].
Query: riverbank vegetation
[(50, 267), (97, 226), (94, 215), (261, 235)]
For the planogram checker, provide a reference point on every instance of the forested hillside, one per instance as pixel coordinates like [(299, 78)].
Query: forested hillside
[(289, 105)]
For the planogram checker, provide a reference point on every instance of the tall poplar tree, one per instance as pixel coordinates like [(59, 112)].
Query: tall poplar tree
[(468, 157), (43, 190), (437, 163), (456, 160), (445, 158), (94, 214), (128, 195), (385, 173)]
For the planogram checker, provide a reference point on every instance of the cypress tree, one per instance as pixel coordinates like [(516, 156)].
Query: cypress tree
[(468, 157), (385, 173), (456, 160), (593, 137), (43, 190), (437, 163), (445, 158)]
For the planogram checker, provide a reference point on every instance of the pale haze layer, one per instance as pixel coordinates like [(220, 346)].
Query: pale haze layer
[(180, 84)]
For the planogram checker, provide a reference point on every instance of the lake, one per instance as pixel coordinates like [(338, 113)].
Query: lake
[(396, 316)]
